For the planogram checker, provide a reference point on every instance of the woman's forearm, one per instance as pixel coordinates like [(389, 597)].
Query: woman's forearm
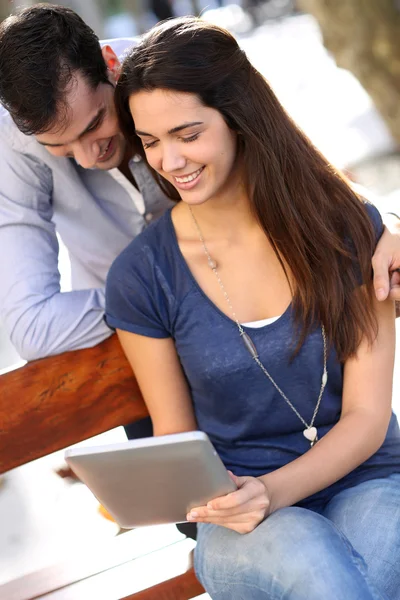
[(355, 438)]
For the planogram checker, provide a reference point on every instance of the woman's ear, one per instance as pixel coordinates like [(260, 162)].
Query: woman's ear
[(113, 64)]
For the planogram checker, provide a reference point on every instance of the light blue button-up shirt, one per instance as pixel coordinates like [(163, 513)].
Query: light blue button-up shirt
[(96, 213)]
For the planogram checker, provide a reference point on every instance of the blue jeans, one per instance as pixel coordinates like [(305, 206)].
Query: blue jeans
[(348, 551)]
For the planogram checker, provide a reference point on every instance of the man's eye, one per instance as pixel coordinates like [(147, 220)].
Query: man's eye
[(93, 127), (147, 145)]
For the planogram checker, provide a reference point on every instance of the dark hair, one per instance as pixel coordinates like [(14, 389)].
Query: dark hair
[(41, 49), (316, 223)]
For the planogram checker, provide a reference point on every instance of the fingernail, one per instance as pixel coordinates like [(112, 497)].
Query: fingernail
[(209, 505), (381, 294), (193, 515)]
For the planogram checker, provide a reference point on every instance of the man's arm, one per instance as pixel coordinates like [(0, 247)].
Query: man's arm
[(39, 318)]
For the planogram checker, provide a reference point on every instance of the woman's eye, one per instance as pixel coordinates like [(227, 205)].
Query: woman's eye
[(192, 138), (186, 140)]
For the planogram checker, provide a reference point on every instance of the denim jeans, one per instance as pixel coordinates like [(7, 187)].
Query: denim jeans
[(349, 550)]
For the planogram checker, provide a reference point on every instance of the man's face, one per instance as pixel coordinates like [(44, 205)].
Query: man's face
[(90, 133)]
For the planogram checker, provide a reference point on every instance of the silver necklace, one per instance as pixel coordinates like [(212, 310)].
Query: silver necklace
[(310, 432)]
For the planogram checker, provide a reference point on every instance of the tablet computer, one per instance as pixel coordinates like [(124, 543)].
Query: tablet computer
[(152, 480)]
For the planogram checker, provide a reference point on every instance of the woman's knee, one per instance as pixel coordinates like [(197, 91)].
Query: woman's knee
[(287, 536), (294, 549)]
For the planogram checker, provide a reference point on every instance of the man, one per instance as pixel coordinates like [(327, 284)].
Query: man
[(73, 177), (65, 169)]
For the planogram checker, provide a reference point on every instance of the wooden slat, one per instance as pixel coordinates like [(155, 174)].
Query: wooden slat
[(55, 402), (183, 587)]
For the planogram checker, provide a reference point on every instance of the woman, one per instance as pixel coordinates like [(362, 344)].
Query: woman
[(247, 311)]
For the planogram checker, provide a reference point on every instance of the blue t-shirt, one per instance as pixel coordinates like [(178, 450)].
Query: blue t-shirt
[(151, 291)]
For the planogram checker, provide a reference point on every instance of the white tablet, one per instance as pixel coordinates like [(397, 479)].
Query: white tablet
[(152, 480)]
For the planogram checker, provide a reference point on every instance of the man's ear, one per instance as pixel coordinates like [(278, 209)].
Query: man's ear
[(112, 62)]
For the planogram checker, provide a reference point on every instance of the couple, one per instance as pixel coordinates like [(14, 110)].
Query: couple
[(251, 300)]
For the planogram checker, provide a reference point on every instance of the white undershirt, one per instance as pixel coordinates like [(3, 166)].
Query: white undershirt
[(257, 324), (135, 195)]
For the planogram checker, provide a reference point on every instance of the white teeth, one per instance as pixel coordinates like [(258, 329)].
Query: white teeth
[(105, 151), (189, 177)]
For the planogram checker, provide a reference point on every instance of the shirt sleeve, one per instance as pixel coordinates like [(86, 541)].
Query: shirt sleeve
[(39, 319), (136, 300)]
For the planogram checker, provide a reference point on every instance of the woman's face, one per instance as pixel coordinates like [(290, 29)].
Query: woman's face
[(187, 143)]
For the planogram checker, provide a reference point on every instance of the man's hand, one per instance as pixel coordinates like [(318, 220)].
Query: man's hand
[(386, 266), (241, 510)]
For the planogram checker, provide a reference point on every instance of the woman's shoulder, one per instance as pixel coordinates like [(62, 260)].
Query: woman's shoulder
[(140, 288), (151, 245)]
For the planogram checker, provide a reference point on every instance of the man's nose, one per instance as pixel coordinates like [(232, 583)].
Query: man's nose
[(86, 154)]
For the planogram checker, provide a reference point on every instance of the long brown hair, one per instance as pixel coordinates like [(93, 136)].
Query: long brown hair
[(315, 222)]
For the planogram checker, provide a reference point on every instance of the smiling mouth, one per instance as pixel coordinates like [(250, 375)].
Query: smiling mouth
[(188, 178), (103, 155)]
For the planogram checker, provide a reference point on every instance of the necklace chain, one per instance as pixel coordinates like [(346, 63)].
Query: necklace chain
[(310, 430)]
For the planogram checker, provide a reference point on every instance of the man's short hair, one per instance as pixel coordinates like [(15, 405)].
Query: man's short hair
[(42, 48)]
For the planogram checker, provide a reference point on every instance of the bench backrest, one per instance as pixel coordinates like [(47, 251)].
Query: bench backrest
[(55, 402)]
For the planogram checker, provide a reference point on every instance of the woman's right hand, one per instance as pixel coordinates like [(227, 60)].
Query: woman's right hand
[(241, 510)]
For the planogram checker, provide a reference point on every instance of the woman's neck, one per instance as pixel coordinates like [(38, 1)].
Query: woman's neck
[(217, 218)]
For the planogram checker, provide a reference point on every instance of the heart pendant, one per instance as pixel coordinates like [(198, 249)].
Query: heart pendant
[(311, 434)]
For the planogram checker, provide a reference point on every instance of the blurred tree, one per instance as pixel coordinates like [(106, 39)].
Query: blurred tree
[(5, 9), (364, 37), (9, 6), (136, 7)]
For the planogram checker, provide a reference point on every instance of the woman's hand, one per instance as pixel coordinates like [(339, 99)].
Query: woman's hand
[(241, 510)]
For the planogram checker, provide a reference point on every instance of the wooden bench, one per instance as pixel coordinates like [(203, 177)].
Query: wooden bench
[(50, 404)]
